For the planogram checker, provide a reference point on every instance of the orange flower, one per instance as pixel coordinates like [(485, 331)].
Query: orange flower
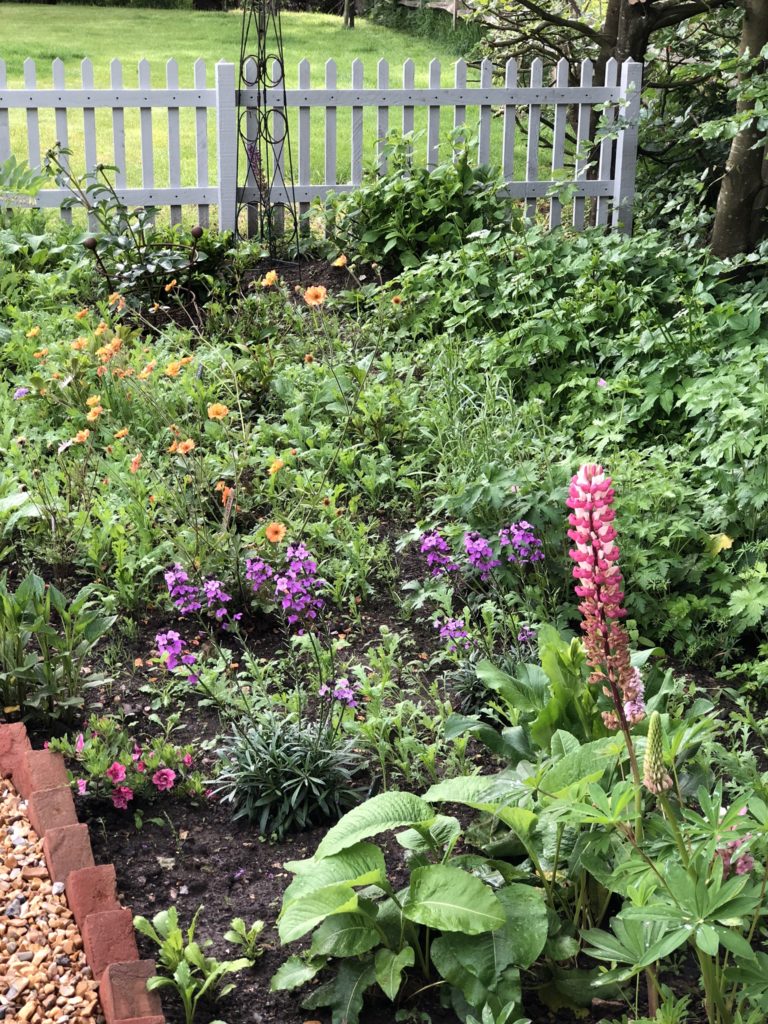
[(143, 374), (185, 360), (81, 436), (396, 300), (117, 299), (170, 286), (33, 332), (135, 462), (138, 663), (340, 261), (219, 486), (276, 466), (172, 369), (217, 411), (41, 353), (275, 533), (226, 494), (186, 446), (173, 447), (101, 329), (152, 499), (316, 295), (93, 400), (123, 432), (82, 313), (94, 414), (309, 358), (79, 344), (107, 352), (271, 277)]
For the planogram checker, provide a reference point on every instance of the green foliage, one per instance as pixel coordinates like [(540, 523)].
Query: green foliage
[(398, 218), (188, 971), (246, 938), (46, 642)]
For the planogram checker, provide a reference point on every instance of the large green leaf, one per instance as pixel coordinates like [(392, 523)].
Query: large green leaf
[(345, 935), (294, 973), (344, 994), (526, 925), (580, 766), (452, 900), (302, 915), (390, 967), (361, 864), (379, 814), (463, 789)]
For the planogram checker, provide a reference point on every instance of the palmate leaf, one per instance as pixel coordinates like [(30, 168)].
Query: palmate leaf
[(380, 814), (451, 900)]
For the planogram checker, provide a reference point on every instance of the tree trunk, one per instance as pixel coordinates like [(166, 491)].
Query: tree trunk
[(741, 205), (349, 13)]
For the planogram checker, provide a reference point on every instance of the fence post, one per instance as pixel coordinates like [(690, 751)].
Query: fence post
[(626, 146), (226, 144)]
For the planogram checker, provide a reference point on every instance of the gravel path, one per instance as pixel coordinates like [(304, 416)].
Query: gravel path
[(43, 973)]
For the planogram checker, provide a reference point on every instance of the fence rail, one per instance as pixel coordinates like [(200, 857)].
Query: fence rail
[(542, 133)]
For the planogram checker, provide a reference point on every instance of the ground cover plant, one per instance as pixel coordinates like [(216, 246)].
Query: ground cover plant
[(400, 612)]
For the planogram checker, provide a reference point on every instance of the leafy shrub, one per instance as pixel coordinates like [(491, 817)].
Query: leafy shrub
[(398, 218), (46, 642)]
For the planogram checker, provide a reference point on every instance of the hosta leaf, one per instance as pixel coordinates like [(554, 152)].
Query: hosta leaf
[(361, 864), (452, 900), (390, 967), (380, 814), (301, 916)]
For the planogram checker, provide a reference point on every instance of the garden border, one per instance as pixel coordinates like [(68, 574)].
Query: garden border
[(109, 941)]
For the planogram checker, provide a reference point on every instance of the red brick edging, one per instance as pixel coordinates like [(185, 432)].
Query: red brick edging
[(109, 942)]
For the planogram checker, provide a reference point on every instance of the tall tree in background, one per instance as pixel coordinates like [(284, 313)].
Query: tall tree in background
[(740, 219)]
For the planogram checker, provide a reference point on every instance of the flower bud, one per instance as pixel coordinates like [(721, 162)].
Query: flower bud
[(656, 779)]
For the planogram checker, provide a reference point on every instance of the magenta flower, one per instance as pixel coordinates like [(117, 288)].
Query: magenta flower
[(164, 778), (184, 595), (187, 760), (522, 543), (480, 554), (599, 584), (455, 632), (120, 797), (439, 559), (79, 743), (343, 691), (82, 787), (116, 772)]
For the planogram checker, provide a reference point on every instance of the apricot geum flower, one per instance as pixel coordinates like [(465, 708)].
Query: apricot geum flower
[(81, 436), (33, 332), (136, 462), (275, 533), (81, 314), (94, 413), (185, 447), (40, 354), (119, 434), (340, 261), (316, 295), (102, 328), (217, 411), (79, 344), (276, 466), (270, 278), (170, 286)]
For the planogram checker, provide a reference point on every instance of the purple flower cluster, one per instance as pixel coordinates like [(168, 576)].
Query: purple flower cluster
[(20, 393), (526, 636), (343, 691), (170, 646), (455, 632), (435, 547), (480, 554), (741, 865), (525, 545), (184, 594), (295, 589), (216, 598)]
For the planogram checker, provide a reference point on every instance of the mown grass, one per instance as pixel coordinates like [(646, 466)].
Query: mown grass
[(73, 33)]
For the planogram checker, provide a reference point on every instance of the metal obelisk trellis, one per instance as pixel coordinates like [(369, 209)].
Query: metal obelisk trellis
[(264, 150)]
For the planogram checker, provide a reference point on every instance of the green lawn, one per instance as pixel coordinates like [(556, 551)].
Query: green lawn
[(101, 34)]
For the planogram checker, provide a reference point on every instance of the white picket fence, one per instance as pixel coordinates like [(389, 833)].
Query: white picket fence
[(555, 119)]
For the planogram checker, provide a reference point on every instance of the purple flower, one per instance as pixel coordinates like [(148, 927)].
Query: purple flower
[(184, 595), (602, 383), (215, 595), (20, 393), (435, 547), (343, 691), (480, 554), (257, 572), (454, 631), (296, 589), (526, 636), (171, 645), (524, 544)]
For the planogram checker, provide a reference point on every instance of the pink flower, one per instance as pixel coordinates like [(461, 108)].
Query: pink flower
[(79, 743), (46, 745), (120, 797), (602, 383), (164, 778), (116, 772), (136, 755), (187, 760), (141, 767), (82, 787), (599, 584)]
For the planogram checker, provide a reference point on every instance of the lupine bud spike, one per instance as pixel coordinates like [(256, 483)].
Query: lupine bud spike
[(656, 779)]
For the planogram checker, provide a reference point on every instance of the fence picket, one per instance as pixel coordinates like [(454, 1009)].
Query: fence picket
[(118, 126), (409, 79), (582, 145), (330, 125), (5, 129), (357, 125), (174, 138), (603, 203), (508, 136), (201, 141), (558, 143), (33, 121), (145, 118), (484, 127), (626, 146), (534, 127), (304, 143), (60, 117), (433, 118), (226, 148), (382, 118)]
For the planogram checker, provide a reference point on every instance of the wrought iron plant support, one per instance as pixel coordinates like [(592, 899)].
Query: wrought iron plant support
[(265, 167)]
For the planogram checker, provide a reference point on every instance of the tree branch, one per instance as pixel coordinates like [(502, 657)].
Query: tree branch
[(555, 19), (669, 13)]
